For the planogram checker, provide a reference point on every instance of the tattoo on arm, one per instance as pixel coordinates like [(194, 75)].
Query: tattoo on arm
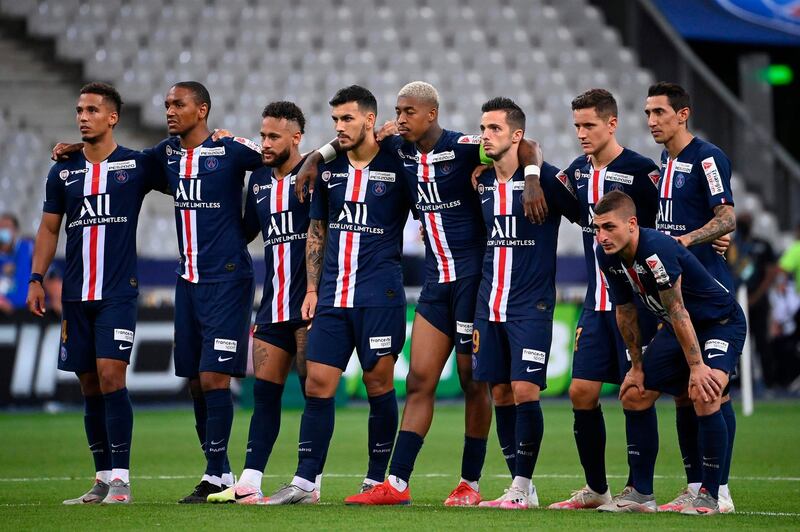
[(723, 222), (672, 300), (628, 323), (315, 251)]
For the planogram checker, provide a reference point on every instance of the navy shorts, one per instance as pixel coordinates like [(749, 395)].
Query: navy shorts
[(600, 354), (212, 327), (511, 351), (96, 329), (374, 332), (450, 307), (281, 335), (665, 368)]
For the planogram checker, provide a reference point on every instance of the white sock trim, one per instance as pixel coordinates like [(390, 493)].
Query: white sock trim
[(471, 483), (251, 477), (103, 476), (122, 474), (398, 483), (303, 484)]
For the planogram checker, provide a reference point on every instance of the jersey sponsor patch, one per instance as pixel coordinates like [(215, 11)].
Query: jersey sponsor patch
[(654, 176), (380, 342), (534, 355), (657, 268), (469, 139), (249, 143), (216, 151), (564, 180), (388, 177), (686, 168), (442, 156), (625, 179), (122, 165), (463, 327), (719, 345), (123, 335), (518, 185), (712, 176), (223, 344)]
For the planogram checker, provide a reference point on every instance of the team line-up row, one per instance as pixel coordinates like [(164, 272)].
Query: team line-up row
[(332, 226)]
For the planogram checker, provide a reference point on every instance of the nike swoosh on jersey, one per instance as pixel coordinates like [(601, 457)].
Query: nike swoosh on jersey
[(484, 201), (331, 185), (68, 183), (259, 200), (171, 162)]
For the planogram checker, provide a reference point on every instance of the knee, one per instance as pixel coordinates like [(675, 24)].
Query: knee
[(195, 390), (378, 384), (633, 400), (90, 384), (419, 385), (111, 378), (214, 381), (525, 392), (502, 395), (584, 395)]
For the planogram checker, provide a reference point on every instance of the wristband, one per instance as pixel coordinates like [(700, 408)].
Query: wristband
[(327, 152), (36, 278), (532, 169), (312, 290)]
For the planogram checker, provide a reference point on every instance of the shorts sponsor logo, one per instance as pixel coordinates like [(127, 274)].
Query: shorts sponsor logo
[(469, 139), (63, 174), (463, 327), (223, 344), (712, 176), (380, 342), (123, 335), (686, 168), (719, 345), (625, 179), (657, 269), (534, 355), (388, 177), (122, 165)]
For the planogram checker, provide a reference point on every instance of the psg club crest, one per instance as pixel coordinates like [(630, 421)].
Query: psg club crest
[(212, 163), (680, 180), (379, 188), (121, 176), (445, 167)]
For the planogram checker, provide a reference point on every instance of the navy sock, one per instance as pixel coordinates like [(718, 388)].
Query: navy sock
[(405, 454), (94, 421), (714, 448), (302, 381), (506, 417), (590, 438), (218, 430), (641, 428), (473, 457), (316, 431), (265, 424), (686, 421), (119, 426), (382, 428), (730, 422), (200, 420), (529, 431)]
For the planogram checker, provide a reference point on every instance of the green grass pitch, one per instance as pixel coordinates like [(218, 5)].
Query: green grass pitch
[(44, 459)]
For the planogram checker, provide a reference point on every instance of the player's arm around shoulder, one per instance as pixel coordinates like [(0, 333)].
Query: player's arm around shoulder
[(315, 253)]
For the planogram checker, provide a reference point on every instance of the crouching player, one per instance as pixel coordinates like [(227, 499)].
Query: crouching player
[(703, 334), (514, 312)]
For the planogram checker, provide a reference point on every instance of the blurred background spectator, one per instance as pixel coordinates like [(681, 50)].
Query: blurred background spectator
[(15, 264)]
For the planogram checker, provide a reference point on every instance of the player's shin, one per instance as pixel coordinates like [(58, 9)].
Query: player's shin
[(641, 428), (590, 438), (687, 427), (265, 424), (382, 428), (119, 426), (316, 430), (714, 450), (506, 419), (218, 430), (94, 422)]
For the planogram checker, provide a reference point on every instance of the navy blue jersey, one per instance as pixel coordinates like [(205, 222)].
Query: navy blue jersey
[(101, 202), (273, 209), (206, 183), (519, 264), (366, 210), (691, 186), (633, 174), (446, 203), (658, 264)]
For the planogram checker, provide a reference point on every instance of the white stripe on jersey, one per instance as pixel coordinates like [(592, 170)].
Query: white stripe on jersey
[(434, 226), (597, 183), (281, 254), (189, 167), (350, 241), (503, 257), (94, 236), (666, 182)]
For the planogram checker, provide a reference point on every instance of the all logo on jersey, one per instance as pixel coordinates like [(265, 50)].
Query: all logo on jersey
[(428, 192), (357, 215), (504, 227), (189, 190), (281, 224), (96, 206)]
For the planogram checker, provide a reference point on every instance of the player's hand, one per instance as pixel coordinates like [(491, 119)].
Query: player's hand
[(307, 175), (422, 231), (533, 201), (633, 379), (62, 150), (35, 300), (220, 134), (481, 168), (388, 129), (704, 384), (722, 244), (309, 306)]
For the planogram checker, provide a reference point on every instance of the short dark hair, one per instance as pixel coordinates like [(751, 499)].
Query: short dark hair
[(601, 100), (199, 91), (8, 216), (514, 114), (355, 93), (614, 200), (676, 95), (108, 92), (288, 110)]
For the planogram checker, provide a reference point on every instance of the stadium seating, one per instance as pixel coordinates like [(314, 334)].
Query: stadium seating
[(540, 52)]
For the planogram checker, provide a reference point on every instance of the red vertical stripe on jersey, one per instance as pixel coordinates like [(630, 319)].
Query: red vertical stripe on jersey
[(93, 238), (595, 186), (668, 179), (437, 239), (348, 247), (635, 277), (501, 260), (279, 196), (603, 291), (281, 254), (187, 220)]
